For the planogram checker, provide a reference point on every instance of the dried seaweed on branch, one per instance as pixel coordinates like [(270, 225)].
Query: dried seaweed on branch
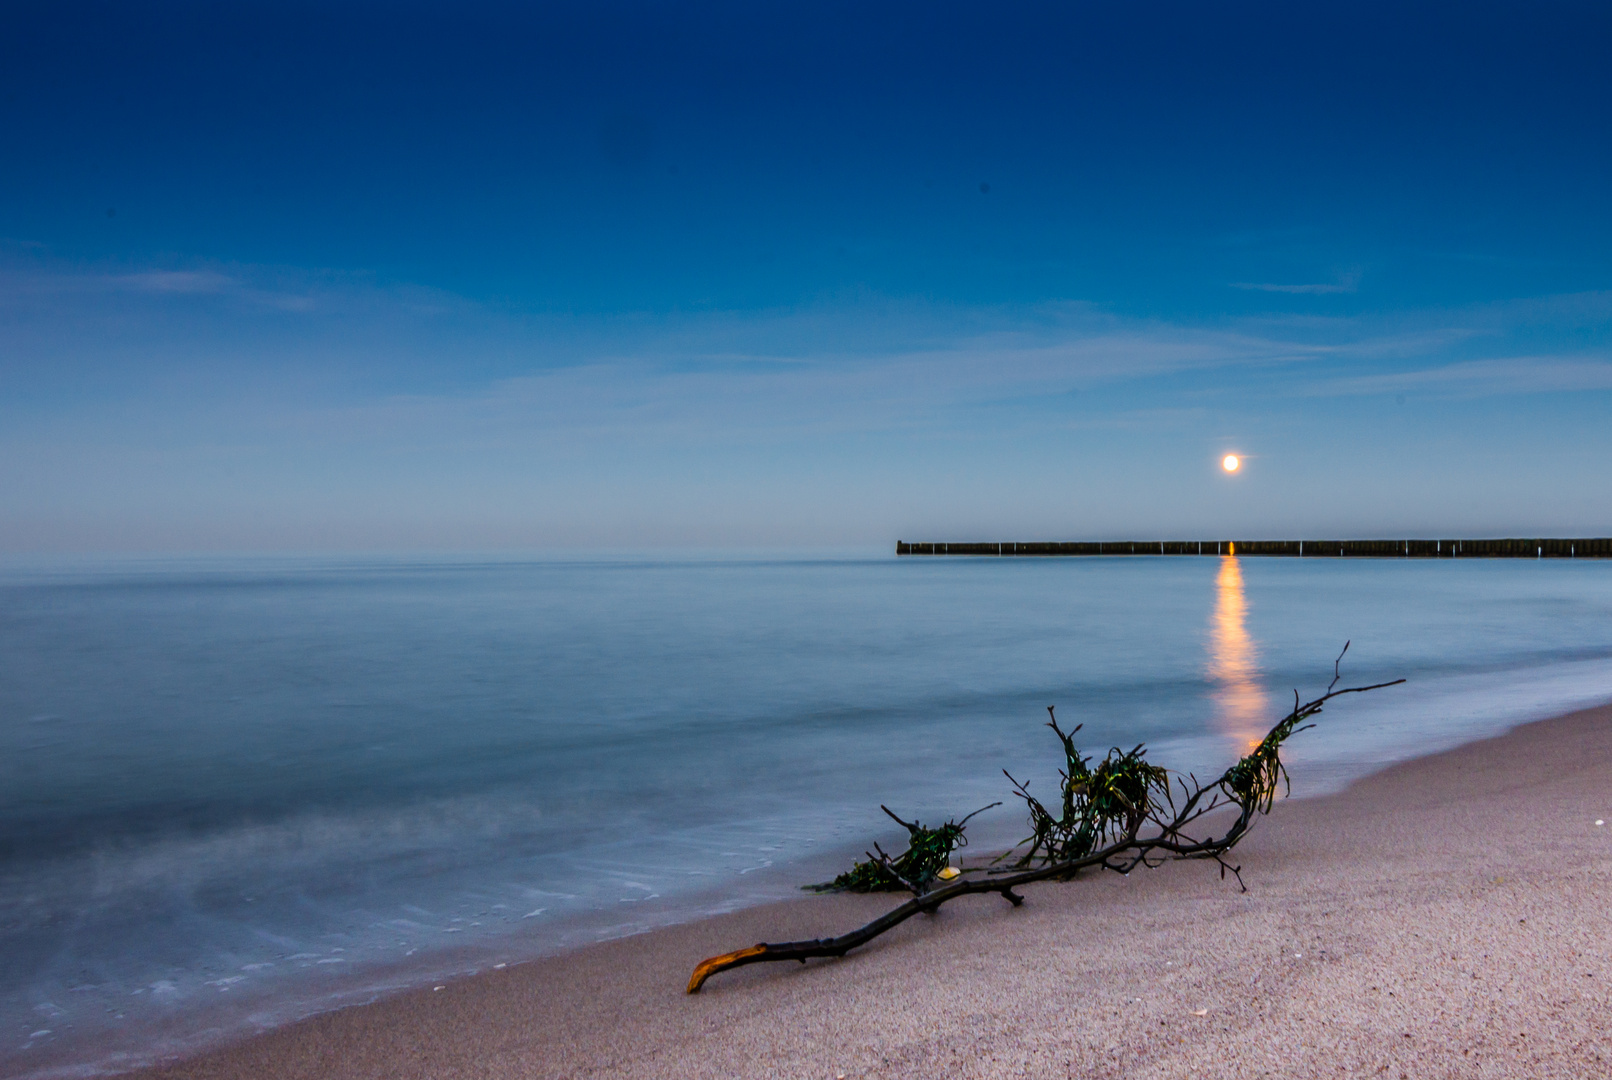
[(928, 853), (1124, 813)]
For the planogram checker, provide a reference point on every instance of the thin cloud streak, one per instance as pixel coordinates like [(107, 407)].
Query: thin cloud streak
[(1483, 378), (1297, 290)]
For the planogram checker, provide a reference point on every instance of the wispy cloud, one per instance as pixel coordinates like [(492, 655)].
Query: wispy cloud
[(1348, 285), (754, 398), (177, 281), (1480, 378), (45, 280)]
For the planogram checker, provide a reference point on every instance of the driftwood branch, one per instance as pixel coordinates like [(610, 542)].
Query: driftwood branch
[(1122, 814)]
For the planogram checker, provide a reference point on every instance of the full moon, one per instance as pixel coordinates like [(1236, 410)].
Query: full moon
[(1231, 463)]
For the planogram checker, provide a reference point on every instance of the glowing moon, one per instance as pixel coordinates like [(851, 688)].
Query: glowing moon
[(1231, 463)]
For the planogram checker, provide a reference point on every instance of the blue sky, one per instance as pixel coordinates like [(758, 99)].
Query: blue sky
[(366, 276)]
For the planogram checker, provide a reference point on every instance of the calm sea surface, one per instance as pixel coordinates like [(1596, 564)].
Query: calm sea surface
[(233, 793)]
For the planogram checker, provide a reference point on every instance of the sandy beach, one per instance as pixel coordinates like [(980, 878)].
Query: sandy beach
[(1445, 917)]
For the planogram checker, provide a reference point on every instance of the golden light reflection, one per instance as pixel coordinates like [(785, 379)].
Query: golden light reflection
[(1234, 660)]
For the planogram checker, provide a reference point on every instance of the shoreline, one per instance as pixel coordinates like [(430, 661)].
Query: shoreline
[(1441, 915)]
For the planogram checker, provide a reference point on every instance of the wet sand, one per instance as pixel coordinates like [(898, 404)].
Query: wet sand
[(1448, 917)]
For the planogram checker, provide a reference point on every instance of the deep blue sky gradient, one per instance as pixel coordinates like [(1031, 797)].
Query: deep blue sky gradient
[(393, 275)]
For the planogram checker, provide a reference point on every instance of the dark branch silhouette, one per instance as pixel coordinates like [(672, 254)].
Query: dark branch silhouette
[(1122, 814)]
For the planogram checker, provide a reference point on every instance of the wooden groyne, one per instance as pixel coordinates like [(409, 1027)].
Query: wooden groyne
[(1597, 547)]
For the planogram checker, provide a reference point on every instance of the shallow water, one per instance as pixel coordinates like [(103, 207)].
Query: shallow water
[(232, 793)]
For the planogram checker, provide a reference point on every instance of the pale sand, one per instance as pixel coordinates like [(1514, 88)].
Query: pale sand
[(1448, 917)]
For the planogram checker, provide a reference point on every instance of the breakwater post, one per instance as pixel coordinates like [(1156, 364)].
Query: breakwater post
[(1599, 547)]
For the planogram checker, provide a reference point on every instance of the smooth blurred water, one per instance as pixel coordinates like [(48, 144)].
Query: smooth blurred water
[(232, 793)]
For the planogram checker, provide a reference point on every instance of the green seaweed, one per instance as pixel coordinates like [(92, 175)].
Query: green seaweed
[(1099, 805), (929, 851)]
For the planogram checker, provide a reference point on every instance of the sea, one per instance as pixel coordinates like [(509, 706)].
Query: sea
[(237, 792)]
